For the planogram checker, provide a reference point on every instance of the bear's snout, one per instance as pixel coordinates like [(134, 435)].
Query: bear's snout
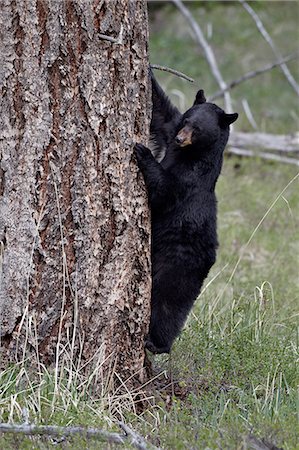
[(184, 137)]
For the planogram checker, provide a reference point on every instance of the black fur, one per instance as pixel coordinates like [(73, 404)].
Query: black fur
[(183, 207)]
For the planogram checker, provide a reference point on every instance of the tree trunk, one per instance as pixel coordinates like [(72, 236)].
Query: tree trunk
[(74, 223)]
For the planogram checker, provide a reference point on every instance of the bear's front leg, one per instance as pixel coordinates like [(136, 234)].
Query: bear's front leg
[(159, 183)]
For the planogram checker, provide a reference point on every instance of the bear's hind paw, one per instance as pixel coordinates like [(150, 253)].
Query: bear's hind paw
[(155, 350)]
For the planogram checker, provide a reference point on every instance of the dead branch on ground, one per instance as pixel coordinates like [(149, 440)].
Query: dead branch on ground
[(285, 143), (263, 155), (130, 435), (240, 143)]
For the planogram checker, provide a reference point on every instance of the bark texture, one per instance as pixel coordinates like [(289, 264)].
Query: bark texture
[(74, 224)]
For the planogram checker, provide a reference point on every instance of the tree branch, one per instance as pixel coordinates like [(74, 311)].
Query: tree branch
[(174, 72), (252, 74), (249, 114), (209, 54), (51, 430), (118, 40), (136, 440), (268, 38)]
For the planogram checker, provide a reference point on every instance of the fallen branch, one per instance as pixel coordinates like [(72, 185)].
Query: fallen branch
[(210, 57), (263, 155), (51, 430), (252, 74), (278, 142), (174, 72), (135, 439), (268, 39)]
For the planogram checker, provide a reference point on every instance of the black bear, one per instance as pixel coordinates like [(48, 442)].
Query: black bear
[(183, 207)]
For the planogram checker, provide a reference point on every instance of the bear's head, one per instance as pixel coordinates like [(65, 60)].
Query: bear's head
[(204, 124)]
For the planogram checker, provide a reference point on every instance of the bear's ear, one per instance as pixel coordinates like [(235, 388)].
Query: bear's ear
[(227, 119), (200, 98)]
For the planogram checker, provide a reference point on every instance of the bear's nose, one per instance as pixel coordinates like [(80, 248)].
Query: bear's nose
[(179, 139)]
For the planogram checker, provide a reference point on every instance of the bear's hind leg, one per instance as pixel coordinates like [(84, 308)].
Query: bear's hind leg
[(172, 299)]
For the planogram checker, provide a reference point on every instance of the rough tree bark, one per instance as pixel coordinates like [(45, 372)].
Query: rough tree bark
[(74, 225)]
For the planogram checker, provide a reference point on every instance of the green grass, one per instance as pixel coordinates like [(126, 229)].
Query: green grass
[(237, 358), (238, 355), (233, 371)]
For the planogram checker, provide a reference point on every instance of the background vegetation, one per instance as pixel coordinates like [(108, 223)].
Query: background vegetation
[(233, 374)]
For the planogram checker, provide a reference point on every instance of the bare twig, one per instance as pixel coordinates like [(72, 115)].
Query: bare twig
[(118, 40), (249, 114), (175, 72), (105, 436), (252, 74), (207, 50), (277, 142), (263, 155), (268, 38), (136, 440), (104, 37)]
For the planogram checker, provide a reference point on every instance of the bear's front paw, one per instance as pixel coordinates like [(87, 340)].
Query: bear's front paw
[(141, 152)]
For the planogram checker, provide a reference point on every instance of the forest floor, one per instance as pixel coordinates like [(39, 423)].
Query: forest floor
[(232, 379)]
